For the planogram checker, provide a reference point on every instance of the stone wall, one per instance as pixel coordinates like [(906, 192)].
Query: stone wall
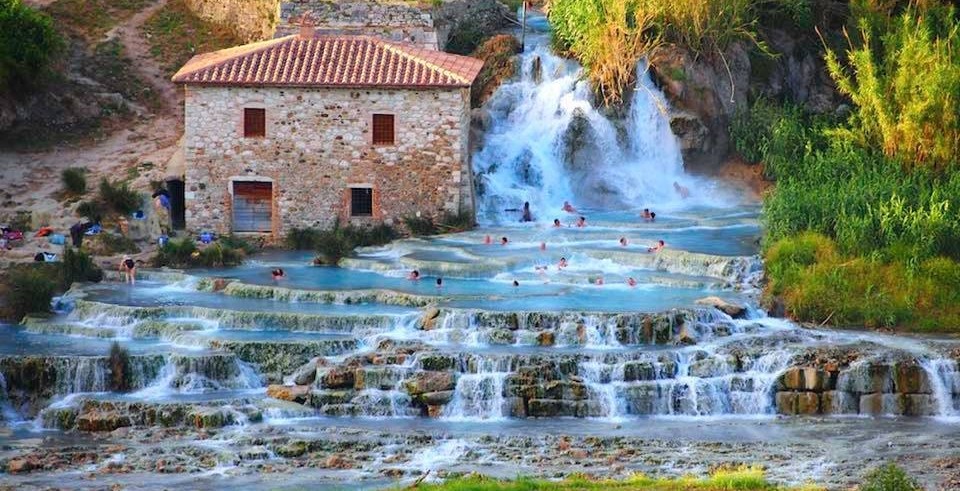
[(396, 21), (251, 20), (318, 144)]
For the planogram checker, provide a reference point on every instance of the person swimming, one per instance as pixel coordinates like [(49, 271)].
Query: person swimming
[(683, 191), (631, 282), (527, 215), (503, 241), (556, 223), (598, 281), (128, 267), (414, 275), (562, 264), (582, 222), (516, 283), (646, 214), (653, 216), (439, 282), (623, 242), (487, 240), (657, 248), (278, 274), (567, 207)]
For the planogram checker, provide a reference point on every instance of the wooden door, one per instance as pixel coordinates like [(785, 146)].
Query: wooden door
[(252, 206)]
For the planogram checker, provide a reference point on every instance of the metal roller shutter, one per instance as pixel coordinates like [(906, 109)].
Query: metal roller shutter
[(252, 206)]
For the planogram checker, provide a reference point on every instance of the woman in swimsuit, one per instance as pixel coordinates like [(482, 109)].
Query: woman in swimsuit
[(129, 267)]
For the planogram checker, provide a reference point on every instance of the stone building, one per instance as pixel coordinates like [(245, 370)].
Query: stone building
[(311, 129)]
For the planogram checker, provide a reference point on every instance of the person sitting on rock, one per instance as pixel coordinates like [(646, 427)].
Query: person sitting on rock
[(657, 248)]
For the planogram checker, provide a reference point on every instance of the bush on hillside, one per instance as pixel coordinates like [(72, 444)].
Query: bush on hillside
[(74, 180), (91, 209), (119, 198), (29, 46)]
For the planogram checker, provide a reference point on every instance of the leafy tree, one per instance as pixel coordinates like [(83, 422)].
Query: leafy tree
[(29, 45)]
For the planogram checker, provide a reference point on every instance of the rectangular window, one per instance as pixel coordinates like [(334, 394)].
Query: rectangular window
[(383, 129), (254, 122), (361, 202)]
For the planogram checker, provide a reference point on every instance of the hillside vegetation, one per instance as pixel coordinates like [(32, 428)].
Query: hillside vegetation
[(862, 225)]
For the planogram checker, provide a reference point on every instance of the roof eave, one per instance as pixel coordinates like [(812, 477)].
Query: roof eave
[(320, 86)]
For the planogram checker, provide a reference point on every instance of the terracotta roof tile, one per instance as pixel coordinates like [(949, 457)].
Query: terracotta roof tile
[(330, 61)]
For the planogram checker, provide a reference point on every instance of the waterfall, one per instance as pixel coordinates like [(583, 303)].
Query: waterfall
[(548, 142), (478, 394), (944, 377)]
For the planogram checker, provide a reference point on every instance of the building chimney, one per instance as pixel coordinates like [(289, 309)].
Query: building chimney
[(307, 26)]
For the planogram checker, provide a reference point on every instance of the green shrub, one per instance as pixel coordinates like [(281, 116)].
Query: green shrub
[(119, 198), (74, 180), (420, 226), (91, 209), (302, 239), (888, 478), (457, 222), (120, 373), (183, 253), (464, 38), (76, 265), (31, 290), (29, 46), (339, 242), (238, 243), (20, 220)]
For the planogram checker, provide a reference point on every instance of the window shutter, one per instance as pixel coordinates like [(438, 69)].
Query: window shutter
[(254, 122), (383, 129)]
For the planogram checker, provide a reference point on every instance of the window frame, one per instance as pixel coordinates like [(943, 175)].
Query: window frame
[(393, 129), (354, 189), (243, 123)]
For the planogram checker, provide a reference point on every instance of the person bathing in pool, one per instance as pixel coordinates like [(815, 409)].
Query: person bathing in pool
[(527, 215), (556, 223), (657, 248), (278, 274), (567, 207), (582, 222), (414, 275)]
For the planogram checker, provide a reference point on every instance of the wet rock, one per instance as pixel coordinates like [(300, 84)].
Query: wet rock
[(292, 393), (307, 373), (711, 367), (920, 405), (428, 321), (910, 378), (878, 404), (733, 310), (17, 466), (292, 449), (545, 338), (437, 362), (424, 382), (501, 337), (686, 336), (338, 378), (320, 398), (337, 462), (210, 418), (839, 402), (378, 377), (786, 402), (808, 403), (550, 408), (639, 370), (866, 378), (102, 420), (805, 379), (438, 398)]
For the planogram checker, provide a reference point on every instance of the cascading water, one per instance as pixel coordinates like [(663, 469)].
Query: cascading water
[(547, 142)]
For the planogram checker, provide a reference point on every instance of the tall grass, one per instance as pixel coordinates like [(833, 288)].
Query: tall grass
[(903, 75)]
